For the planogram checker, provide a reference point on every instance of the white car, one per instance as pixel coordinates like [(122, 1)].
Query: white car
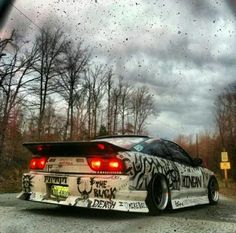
[(126, 173)]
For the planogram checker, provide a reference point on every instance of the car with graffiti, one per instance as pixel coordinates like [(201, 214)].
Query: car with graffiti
[(126, 173)]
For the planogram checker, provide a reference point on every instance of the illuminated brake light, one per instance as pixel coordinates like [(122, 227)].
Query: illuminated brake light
[(115, 165), (38, 163), (42, 162), (33, 163), (106, 164), (96, 164)]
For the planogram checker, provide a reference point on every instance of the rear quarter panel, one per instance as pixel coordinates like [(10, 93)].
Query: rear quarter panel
[(141, 168)]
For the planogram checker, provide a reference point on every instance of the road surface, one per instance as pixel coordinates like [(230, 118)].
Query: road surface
[(18, 216)]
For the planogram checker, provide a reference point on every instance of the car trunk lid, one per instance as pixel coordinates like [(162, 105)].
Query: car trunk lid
[(74, 157)]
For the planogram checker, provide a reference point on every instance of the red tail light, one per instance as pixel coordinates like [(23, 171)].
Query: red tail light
[(106, 164), (115, 165), (38, 163), (96, 164)]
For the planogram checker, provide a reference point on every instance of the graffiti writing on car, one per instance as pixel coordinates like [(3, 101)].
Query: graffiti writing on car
[(101, 184), (102, 204), (85, 191), (179, 204), (140, 165), (206, 177), (105, 193), (27, 183), (191, 182), (55, 180), (133, 205), (102, 191)]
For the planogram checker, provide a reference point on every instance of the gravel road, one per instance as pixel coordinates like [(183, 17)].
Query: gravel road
[(18, 216)]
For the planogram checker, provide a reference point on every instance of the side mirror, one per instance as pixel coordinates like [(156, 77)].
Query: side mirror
[(197, 162)]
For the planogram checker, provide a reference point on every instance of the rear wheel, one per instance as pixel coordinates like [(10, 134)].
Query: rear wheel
[(213, 191), (158, 195)]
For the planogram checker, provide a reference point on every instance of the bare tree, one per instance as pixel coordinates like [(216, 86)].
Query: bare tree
[(116, 95), (109, 85), (81, 118), (3, 45), (15, 70), (118, 103), (142, 107), (50, 46), (126, 90), (72, 66), (95, 82)]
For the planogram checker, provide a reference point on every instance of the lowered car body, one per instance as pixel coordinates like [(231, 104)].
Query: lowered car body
[(126, 173)]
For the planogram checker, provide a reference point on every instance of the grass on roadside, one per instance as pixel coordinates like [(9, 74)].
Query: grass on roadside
[(10, 180)]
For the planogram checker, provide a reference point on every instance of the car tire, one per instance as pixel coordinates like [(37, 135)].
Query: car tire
[(158, 195), (213, 191)]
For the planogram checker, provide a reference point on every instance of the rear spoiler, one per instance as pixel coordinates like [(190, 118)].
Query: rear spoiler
[(72, 149)]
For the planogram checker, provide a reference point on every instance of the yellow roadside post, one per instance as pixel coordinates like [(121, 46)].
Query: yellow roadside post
[(225, 165)]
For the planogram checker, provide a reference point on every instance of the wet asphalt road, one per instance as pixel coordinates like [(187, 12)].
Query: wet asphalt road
[(22, 216)]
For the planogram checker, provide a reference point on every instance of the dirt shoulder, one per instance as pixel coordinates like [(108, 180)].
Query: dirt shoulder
[(229, 191), (10, 186)]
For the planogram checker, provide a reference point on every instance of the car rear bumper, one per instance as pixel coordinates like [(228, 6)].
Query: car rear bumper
[(110, 192)]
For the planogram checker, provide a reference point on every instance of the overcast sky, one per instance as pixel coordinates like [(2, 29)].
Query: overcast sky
[(184, 50)]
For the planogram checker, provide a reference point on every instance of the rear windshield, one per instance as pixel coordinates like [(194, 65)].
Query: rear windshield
[(124, 142), (153, 147)]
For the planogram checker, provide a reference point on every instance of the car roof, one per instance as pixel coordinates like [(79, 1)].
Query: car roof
[(123, 136)]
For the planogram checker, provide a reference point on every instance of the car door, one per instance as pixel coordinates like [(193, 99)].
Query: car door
[(191, 180), (161, 160)]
